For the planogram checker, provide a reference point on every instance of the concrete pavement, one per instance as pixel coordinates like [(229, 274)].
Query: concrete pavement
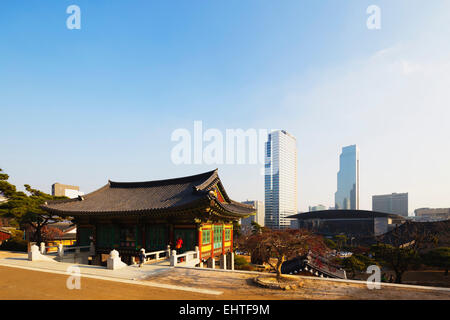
[(130, 274)]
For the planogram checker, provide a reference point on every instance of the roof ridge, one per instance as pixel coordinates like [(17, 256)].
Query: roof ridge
[(130, 184), (208, 182)]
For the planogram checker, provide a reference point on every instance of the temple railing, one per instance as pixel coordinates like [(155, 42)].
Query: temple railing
[(189, 258), (157, 255), (61, 249)]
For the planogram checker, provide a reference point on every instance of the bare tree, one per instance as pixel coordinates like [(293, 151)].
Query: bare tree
[(274, 247)]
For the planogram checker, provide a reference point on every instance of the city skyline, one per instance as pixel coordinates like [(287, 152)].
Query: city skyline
[(96, 104)]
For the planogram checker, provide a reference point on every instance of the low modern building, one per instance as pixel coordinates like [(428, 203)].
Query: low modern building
[(258, 217), (429, 214), (65, 190), (396, 203), (359, 224), (128, 216)]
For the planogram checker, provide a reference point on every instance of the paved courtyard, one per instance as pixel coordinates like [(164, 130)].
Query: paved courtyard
[(22, 279)]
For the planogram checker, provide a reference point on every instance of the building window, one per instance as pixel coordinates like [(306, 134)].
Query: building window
[(218, 236), (206, 236), (227, 234)]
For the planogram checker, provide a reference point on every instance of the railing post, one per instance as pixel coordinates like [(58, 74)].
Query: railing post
[(197, 252), (42, 248), (60, 250), (157, 256), (173, 258), (114, 261), (212, 263), (91, 249), (168, 251), (223, 261), (231, 260)]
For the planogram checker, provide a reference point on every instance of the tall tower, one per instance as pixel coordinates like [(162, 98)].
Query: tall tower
[(347, 194), (280, 185)]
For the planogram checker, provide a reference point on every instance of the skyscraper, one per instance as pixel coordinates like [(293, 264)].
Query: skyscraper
[(396, 203), (347, 194), (280, 179)]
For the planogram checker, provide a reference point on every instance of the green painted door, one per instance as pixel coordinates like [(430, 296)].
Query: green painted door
[(156, 237), (188, 237), (84, 235)]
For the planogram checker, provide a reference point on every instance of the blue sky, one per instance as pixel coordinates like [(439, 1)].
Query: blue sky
[(83, 106)]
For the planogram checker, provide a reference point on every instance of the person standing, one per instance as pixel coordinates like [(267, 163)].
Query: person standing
[(179, 244), (141, 257)]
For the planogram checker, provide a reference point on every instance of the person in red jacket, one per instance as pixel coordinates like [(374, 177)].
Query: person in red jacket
[(179, 244)]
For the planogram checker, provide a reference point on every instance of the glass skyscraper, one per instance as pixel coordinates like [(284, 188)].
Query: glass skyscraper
[(347, 194), (280, 185)]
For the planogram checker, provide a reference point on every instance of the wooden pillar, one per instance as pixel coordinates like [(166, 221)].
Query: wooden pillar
[(143, 235), (212, 240), (171, 239), (200, 241), (231, 238), (223, 239)]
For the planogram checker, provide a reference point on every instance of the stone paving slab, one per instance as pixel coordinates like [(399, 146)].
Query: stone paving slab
[(130, 274)]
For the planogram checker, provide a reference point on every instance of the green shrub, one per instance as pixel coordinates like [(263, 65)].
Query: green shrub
[(240, 262), (246, 267)]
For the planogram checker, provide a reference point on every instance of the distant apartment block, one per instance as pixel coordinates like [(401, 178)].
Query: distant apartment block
[(430, 214), (61, 190), (396, 203), (319, 207), (258, 217)]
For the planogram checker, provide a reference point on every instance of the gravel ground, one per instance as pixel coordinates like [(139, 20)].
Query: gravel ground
[(240, 286)]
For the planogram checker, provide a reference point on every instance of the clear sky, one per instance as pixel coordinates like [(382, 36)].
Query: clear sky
[(84, 106)]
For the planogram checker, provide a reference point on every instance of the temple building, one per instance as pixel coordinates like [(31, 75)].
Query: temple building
[(128, 216)]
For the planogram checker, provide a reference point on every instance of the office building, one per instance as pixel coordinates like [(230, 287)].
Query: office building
[(396, 203), (280, 179), (347, 194), (64, 190)]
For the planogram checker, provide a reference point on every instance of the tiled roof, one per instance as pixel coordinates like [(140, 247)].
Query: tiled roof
[(150, 197)]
